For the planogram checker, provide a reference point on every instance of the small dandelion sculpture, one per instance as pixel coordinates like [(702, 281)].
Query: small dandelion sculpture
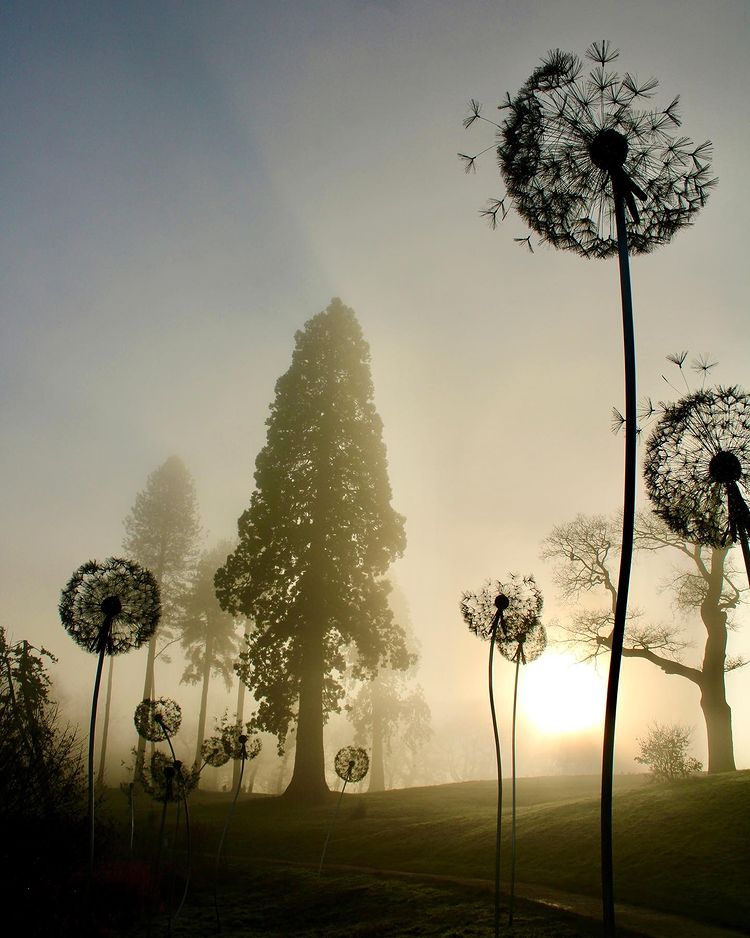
[(592, 170), (108, 608), (235, 743), (351, 764), (157, 721), (502, 613), (697, 467), (522, 640)]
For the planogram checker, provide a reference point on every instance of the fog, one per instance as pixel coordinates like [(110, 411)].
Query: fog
[(185, 185)]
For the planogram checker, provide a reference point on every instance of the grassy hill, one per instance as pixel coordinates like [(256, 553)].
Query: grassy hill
[(682, 847)]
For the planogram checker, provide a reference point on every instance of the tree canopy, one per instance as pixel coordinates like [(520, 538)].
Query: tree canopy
[(315, 542)]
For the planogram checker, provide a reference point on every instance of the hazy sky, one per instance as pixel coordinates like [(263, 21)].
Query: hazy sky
[(185, 184)]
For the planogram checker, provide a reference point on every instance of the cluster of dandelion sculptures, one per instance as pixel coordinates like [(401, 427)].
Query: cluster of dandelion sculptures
[(697, 467), (593, 171), (351, 765), (108, 608), (166, 780), (507, 614)]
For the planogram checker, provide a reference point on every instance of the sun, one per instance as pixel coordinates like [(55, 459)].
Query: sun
[(561, 695)]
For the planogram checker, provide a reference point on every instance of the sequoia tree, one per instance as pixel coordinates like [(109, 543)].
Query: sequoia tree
[(585, 554), (315, 543)]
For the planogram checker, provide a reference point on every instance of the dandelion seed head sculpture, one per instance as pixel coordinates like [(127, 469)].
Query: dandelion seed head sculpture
[(571, 138), (167, 779), (697, 467), (156, 720), (213, 752), (114, 603), (351, 764), (519, 599), (238, 742)]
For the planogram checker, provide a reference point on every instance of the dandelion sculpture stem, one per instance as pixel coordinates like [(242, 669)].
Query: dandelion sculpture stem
[(243, 760), (331, 826), (513, 816), (626, 560), (111, 607), (351, 764), (501, 604)]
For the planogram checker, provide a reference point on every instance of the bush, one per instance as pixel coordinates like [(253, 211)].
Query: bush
[(665, 751)]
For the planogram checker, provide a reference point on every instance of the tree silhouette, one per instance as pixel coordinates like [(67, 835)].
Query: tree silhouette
[(161, 533), (208, 634), (585, 553), (315, 542)]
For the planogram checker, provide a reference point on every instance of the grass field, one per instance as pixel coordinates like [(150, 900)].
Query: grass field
[(679, 847)]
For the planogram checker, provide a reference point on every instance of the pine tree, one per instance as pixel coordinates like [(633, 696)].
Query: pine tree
[(161, 534), (315, 543)]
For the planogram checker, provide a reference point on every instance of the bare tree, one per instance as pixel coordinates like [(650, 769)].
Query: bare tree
[(585, 551)]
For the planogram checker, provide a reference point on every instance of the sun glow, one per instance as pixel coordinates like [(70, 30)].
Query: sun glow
[(560, 695)]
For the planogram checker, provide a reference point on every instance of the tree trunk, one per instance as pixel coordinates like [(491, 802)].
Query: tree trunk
[(105, 724), (308, 782), (208, 656), (716, 710), (377, 768)]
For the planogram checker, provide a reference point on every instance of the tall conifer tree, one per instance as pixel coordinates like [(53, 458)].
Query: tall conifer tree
[(161, 534), (315, 542)]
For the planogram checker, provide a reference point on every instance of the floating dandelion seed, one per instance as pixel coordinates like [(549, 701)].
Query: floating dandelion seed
[(351, 765), (697, 467), (157, 720), (593, 171), (108, 608)]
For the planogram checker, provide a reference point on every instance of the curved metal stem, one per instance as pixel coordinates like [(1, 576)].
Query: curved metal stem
[(498, 821), (626, 559), (243, 760), (189, 855), (513, 773), (102, 643), (330, 827)]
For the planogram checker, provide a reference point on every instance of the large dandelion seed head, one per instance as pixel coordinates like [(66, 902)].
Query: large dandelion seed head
[(114, 604), (519, 601), (351, 763), (571, 136), (213, 752), (157, 720), (699, 446)]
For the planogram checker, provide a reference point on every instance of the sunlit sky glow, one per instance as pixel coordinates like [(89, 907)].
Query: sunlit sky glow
[(184, 185)]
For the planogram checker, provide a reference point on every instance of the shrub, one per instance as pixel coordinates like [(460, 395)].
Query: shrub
[(665, 751)]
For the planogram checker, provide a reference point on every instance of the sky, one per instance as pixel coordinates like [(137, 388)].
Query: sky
[(185, 184)]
